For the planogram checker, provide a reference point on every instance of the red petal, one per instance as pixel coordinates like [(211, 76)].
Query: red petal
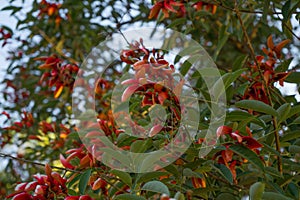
[(6, 114), (65, 163), (222, 130), (162, 96), (128, 92), (31, 186), (85, 197), (270, 42), (72, 198), (58, 178), (251, 143), (155, 10), (22, 196), (155, 130), (99, 183), (227, 155), (235, 135), (20, 187)]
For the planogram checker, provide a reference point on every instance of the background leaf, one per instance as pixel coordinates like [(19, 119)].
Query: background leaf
[(157, 187), (83, 181)]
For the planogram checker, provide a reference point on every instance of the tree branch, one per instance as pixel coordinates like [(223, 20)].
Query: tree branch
[(249, 44), (35, 163), (220, 4)]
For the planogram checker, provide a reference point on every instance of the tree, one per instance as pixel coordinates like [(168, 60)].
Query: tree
[(232, 132)]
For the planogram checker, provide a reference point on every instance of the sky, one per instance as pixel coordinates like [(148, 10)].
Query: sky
[(7, 20)]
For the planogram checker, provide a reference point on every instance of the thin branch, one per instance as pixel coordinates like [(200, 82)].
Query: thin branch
[(220, 4), (276, 134), (35, 163), (290, 30), (224, 181), (48, 39)]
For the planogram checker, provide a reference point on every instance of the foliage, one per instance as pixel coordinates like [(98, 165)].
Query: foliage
[(252, 44)]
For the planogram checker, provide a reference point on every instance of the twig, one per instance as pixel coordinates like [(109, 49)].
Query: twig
[(224, 181), (48, 39), (286, 26), (290, 30), (220, 4), (277, 141), (35, 163)]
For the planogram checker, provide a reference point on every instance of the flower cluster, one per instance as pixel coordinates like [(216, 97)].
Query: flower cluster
[(267, 67), (86, 159), (26, 122), (50, 9), (16, 93), (226, 157), (5, 35), (154, 81), (178, 7), (59, 75), (49, 186)]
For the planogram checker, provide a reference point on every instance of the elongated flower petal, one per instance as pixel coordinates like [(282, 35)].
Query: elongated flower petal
[(155, 130), (128, 92), (65, 163)]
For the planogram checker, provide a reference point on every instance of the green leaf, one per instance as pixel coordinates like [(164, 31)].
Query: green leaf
[(248, 154), (113, 190), (274, 196), (238, 115), (84, 179), (173, 170), (157, 187), (177, 22), (284, 66), (123, 176), (224, 82), (201, 13), (190, 50), (256, 106), (293, 78), (290, 136), (226, 196), (283, 112), (272, 171), (179, 196), (239, 62), (140, 146), (225, 172), (286, 9), (286, 27), (189, 173), (294, 149), (294, 110), (265, 10), (73, 181), (129, 197), (222, 38), (296, 121), (151, 175), (185, 67), (256, 191), (294, 190), (11, 8)]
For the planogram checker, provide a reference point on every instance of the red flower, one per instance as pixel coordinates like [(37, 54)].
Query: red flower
[(60, 76), (167, 6)]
